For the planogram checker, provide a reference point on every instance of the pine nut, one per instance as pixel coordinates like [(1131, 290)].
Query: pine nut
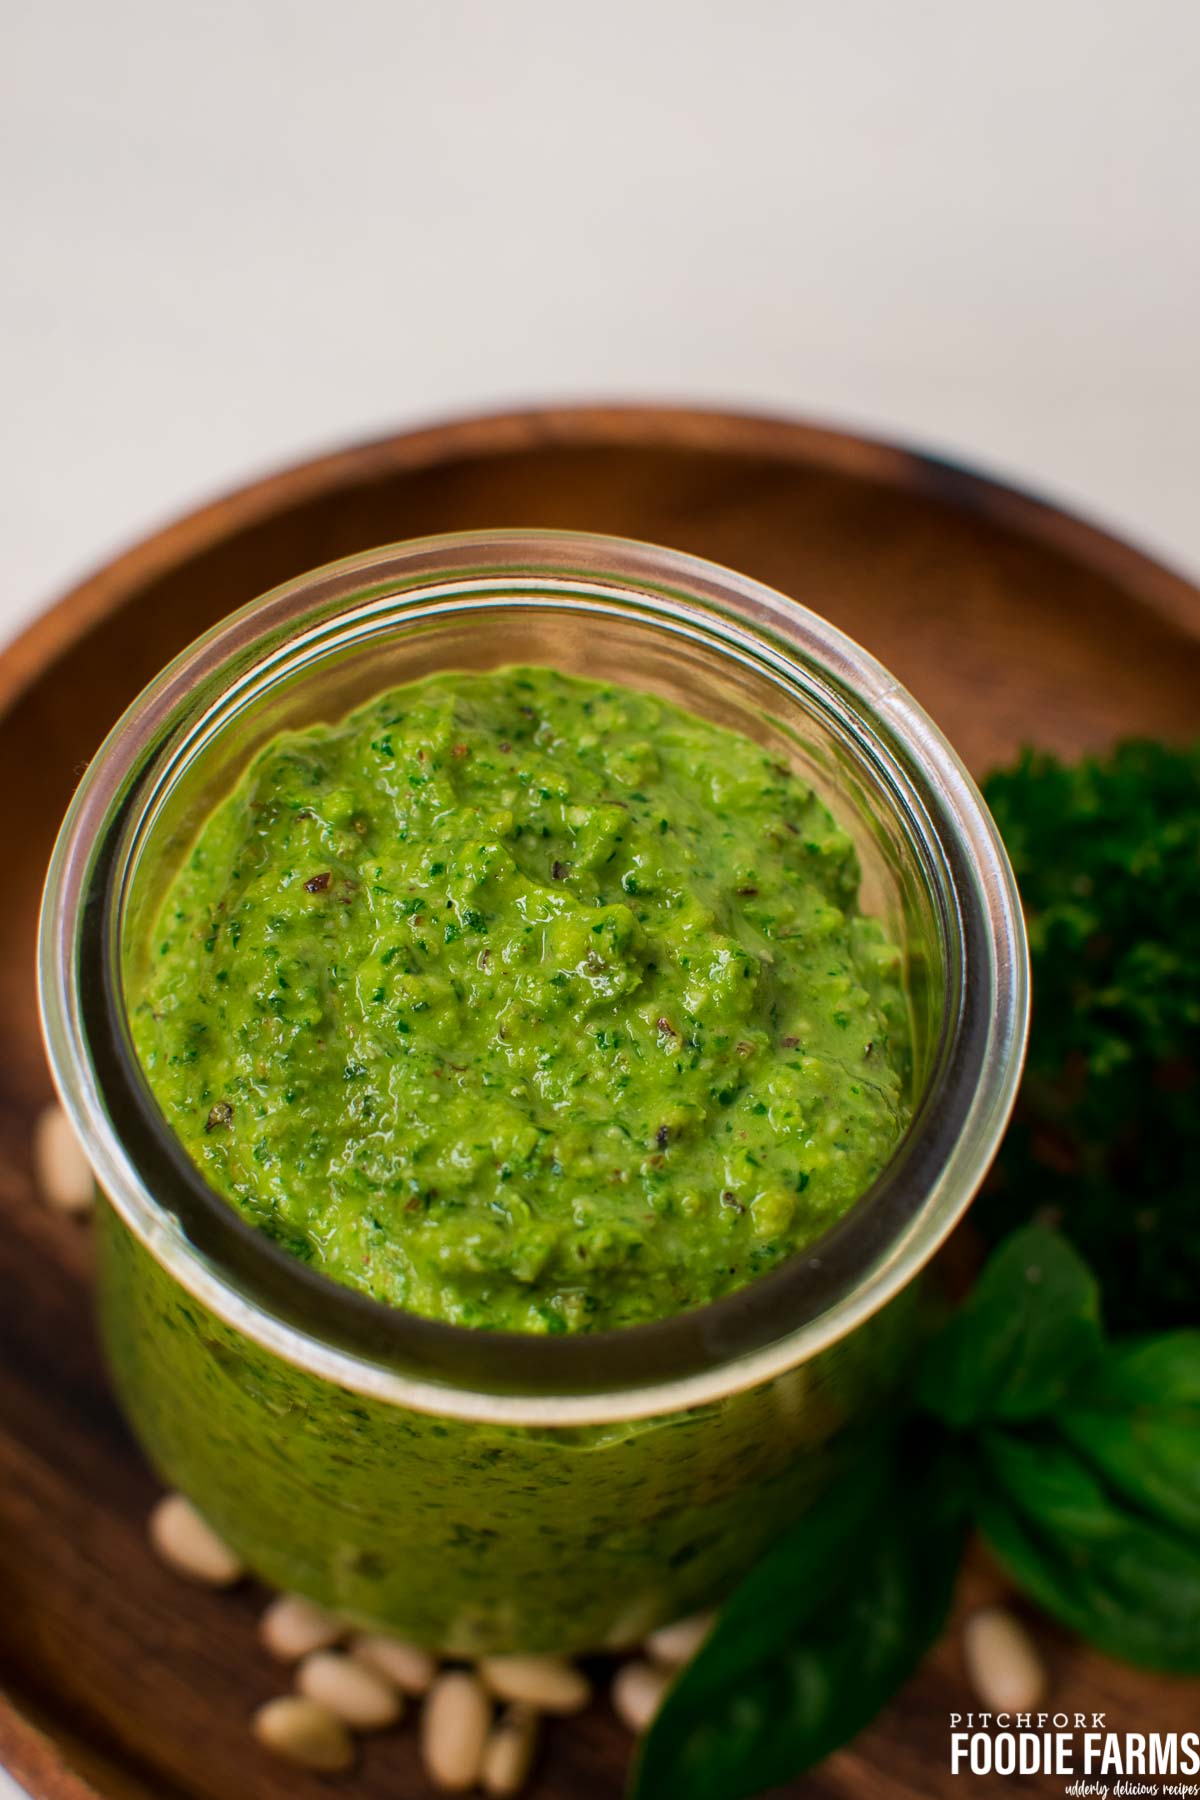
[(509, 1752), (1002, 1661), (292, 1627), (359, 1695), (64, 1175), (674, 1645), (304, 1733), (547, 1682), (637, 1694), (189, 1545), (455, 1720), (406, 1666)]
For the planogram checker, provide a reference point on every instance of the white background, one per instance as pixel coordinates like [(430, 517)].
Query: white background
[(242, 231)]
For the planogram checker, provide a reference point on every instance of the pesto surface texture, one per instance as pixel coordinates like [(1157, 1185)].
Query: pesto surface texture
[(526, 1002)]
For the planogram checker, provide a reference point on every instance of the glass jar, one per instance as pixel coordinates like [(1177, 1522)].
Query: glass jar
[(486, 1490)]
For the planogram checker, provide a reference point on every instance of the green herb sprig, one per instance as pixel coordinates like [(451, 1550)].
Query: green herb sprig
[(1106, 1139), (1085, 1452), (1076, 1456)]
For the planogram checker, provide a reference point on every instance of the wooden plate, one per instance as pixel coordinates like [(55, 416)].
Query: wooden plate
[(1010, 621)]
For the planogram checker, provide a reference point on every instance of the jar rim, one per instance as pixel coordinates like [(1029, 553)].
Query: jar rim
[(776, 1321)]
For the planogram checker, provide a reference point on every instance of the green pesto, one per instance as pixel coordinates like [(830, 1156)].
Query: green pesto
[(527, 1002), (478, 1537)]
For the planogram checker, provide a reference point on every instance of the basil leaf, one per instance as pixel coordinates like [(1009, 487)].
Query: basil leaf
[(1138, 1424), (1127, 1584), (1019, 1341), (819, 1636)]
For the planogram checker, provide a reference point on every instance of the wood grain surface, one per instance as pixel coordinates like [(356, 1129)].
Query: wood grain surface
[(1009, 621)]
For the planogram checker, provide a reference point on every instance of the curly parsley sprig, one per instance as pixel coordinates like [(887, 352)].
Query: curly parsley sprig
[(1106, 1140)]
